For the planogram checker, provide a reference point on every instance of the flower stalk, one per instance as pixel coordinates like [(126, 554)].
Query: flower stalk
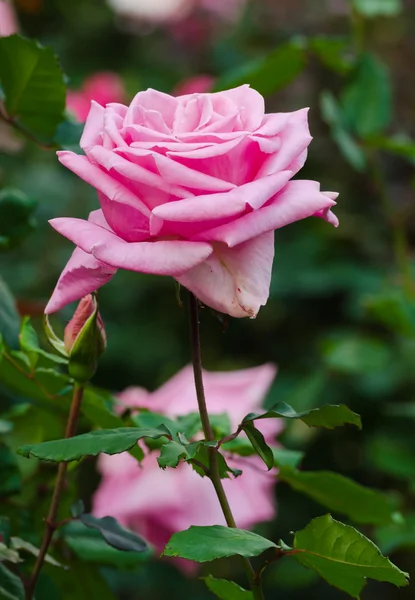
[(213, 472), (51, 523)]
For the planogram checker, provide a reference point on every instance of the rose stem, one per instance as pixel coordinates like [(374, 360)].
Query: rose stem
[(50, 522), (214, 475)]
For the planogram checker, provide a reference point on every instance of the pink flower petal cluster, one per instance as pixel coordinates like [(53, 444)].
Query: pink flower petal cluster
[(8, 19), (192, 187), (102, 87), (158, 503), (169, 11)]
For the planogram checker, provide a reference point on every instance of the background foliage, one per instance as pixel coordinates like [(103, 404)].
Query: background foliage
[(340, 322)]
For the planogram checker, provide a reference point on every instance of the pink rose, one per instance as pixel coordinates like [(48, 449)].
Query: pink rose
[(191, 187), (158, 503), (8, 19), (103, 87)]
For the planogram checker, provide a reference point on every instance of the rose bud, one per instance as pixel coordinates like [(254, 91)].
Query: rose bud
[(84, 339)]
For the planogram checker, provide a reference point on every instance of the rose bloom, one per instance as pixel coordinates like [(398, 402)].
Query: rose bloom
[(103, 87), (8, 19), (157, 503), (193, 187), (156, 11)]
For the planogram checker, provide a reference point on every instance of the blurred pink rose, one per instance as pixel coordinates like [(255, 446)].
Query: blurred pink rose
[(199, 84), (155, 11), (168, 11), (8, 19), (103, 88), (158, 503), (191, 187)]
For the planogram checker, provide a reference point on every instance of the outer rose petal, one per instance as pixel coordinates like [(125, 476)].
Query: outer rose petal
[(82, 275), (235, 280), (170, 257), (298, 200)]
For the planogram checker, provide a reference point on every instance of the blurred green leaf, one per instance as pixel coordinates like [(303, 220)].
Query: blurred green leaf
[(259, 444), (16, 216), (11, 587), (29, 344), (397, 536), (5, 530), (378, 8), (68, 135), (33, 85), (392, 308), (348, 146), (342, 495), (108, 441), (9, 555), (269, 73), (355, 354), (392, 455), (367, 100), (19, 544), (343, 556), (203, 544), (89, 546), (10, 481), (329, 416), (226, 590), (5, 426), (332, 52), (9, 318), (116, 536)]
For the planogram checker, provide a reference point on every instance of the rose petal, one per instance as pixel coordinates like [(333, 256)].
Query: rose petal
[(219, 206), (236, 280), (94, 127), (101, 181), (82, 275), (298, 200), (295, 138), (170, 257), (179, 174)]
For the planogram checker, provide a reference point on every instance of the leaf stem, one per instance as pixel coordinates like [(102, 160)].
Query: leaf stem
[(214, 475), (51, 519)]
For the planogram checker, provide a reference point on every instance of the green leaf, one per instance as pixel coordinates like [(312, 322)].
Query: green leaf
[(9, 555), (269, 73), (328, 416), (348, 146), (393, 456), (342, 495), (227, 590), (5, 426), (343, 557), (171, 454), (29, 343), (16, 216), (19, 544), (203, 544), (108, 441), (33, 84), (11, 587), (89, 546), (367, 100), (259, 444), (9, 318), (282, 456), (378, 8), (115, 535)]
